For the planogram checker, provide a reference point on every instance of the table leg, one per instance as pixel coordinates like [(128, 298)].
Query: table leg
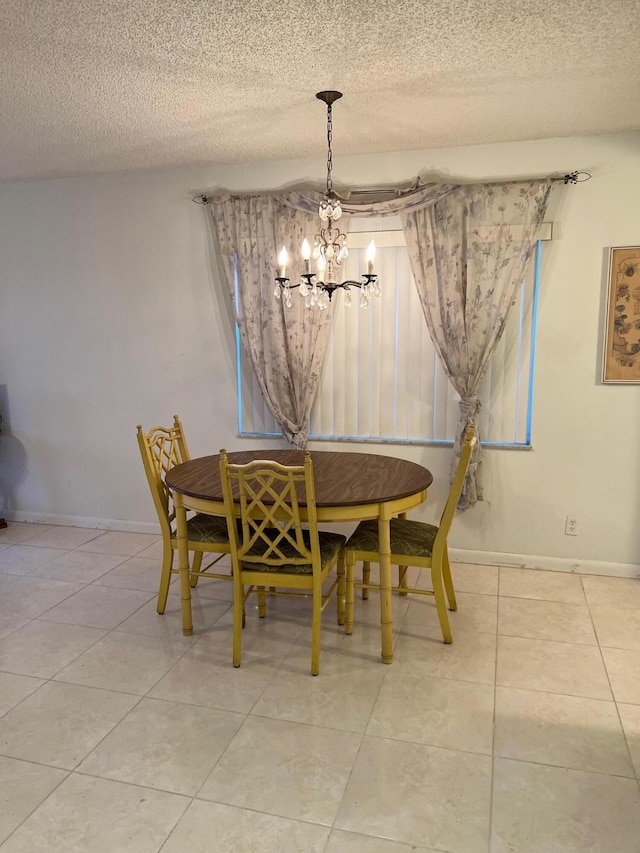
[(384, 550), (183, 565)]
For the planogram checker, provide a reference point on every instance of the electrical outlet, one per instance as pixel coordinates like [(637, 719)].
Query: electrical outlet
[(571, 526)]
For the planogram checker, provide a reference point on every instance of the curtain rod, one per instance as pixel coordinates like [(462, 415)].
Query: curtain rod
[(569, 178)]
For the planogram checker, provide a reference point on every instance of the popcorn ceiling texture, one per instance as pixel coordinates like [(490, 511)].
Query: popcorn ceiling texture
[(104, 85)]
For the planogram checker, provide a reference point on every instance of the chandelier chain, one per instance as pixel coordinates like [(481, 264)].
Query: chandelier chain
[(329, 153)]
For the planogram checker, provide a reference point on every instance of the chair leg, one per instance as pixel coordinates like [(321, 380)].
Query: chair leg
[(366, 578), (441, 605), (340, 592), (403, 580), (165, 577), (448, 580), (262, 602), (350, 592), (315, 628), (238, 622), (196, 565)]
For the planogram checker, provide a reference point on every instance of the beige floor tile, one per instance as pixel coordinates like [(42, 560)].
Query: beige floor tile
[(467, 577), (25, 559), (534, 583), (205, 676), (9, 624), (15, 688), (20, 531), (78, 567), (86, 815), (42, 648), (474, 613), (116, 542), (156, 550), (551, 809), (240, 830), (616, 628), (205, 615), (60, 723), (471, 656), (23, 786), (623, 669), (64, 537), (546, 620), (340, 700), (301, 772), (471, 577), (623, 593), (566, 731), (552, 667), (98, 606), (435, 711), (126, 662), (31, 597), (419, 795), (271, 638), (352, 842), (339, 652), (630, 716), (135, 573), (164, 745)]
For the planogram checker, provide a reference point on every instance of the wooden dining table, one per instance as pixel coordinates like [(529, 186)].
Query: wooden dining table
[(348, 487)]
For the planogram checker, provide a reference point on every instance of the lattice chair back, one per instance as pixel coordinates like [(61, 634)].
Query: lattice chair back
[(270, 495), (456, 486), (161, 448)]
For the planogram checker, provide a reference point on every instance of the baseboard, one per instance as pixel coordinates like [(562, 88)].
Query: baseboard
[(553, 564), (82, 521), (458, 555)]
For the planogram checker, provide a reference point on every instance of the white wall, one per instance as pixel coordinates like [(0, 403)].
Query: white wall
[(110, 315)]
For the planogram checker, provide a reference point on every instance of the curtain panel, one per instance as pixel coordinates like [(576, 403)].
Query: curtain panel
[(285, 346), (469, 253)]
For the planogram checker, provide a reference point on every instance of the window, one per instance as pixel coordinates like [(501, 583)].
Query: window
[(383, 381)]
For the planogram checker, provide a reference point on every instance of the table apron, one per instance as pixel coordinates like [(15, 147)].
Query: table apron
[(358, 512)]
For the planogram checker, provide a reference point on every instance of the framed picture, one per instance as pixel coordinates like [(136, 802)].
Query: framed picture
[(621, 362)]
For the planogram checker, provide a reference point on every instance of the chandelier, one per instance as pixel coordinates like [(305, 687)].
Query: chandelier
[(329, 249)]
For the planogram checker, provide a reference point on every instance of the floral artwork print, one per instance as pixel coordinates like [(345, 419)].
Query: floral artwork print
[(622, 345)]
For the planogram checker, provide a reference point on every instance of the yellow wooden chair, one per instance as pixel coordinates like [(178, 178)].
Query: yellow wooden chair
[(161, 448), (413, 543), (272, 549)]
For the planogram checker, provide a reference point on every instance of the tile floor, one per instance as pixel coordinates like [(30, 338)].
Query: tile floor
[(118, 735)]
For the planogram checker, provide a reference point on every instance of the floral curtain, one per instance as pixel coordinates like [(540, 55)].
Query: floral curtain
[(469, 252), (286, 346)]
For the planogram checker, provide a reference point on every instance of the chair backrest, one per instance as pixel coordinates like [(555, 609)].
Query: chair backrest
[(456, 486), (161, 448), (269, 496)]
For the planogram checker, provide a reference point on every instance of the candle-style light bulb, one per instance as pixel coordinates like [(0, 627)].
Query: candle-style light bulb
[(283, 260), (306, 255), (371, 253)]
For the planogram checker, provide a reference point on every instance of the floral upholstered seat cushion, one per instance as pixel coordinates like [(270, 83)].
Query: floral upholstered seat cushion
[(206, 528), (330, 545), (413, 538)]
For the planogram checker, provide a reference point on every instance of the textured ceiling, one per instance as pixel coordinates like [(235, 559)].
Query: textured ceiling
[(104, 85)]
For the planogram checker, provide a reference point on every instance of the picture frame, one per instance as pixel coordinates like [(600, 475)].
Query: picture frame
[(621, 353)]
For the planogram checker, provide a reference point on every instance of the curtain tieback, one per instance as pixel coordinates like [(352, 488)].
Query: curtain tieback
[(469, 407), (300, 440)]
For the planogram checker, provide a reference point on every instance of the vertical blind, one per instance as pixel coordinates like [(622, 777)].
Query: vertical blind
[(383, 381)]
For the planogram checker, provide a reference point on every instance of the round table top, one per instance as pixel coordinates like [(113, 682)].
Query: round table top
[(341, 479)]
